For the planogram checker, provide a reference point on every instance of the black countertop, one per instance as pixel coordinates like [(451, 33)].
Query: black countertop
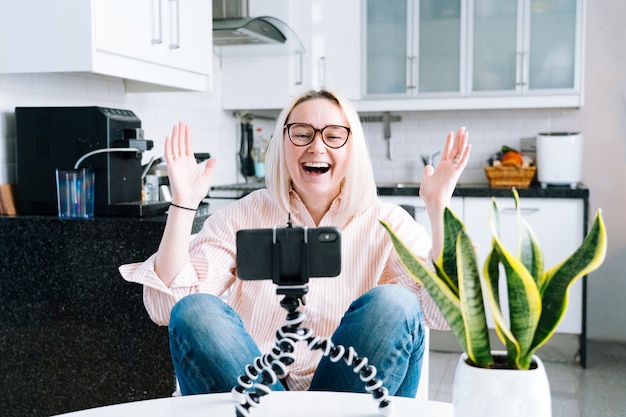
[(484, 190), (234, 191)]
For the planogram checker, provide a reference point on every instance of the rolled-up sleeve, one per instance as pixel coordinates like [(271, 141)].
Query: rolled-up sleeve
[(210, 268)]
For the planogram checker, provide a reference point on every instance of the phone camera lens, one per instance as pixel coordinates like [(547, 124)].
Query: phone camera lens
[(328, 237)]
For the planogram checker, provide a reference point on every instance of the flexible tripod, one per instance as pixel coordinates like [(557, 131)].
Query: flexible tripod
[(268, 368)]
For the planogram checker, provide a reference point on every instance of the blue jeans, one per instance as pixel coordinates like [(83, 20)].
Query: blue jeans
[(210, 347)]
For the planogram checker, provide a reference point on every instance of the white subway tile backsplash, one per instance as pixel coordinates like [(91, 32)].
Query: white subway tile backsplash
[(424, 133)]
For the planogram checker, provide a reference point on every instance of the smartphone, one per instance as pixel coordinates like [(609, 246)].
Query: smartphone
[(288, 255)]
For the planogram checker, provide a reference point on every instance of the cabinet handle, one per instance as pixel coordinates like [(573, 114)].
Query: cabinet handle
[(157, 24), (322, 72), (524, 66), (521, 65), (410, 64), (523, 211), (299, 80), (175, 24)]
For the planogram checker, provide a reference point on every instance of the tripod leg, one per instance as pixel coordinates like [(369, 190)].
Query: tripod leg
[(367, 372), (272, 366), (265, 371)]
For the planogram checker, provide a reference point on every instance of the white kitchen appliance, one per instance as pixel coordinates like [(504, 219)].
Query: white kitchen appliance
[(559, 158)]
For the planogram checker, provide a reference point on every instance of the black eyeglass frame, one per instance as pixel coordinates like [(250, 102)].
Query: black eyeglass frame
[(288, 126)]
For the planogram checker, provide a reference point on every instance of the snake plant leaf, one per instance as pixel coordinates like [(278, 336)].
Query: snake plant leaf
[(491, 291), (586, 259), (492, 283), (447, 301), (524, 302), (524, 298), (529, 250), (472, 307), (446, 265)]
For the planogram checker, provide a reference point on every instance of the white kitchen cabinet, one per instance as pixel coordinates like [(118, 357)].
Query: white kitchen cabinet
[(474, 54), (558, 226), (410, 55), (262, 82), (258, 77), (155, 43), (336, 46), (413, 48), (537, 50), (456, 205), (326, 54)]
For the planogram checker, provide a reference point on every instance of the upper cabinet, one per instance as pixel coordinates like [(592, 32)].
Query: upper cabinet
[(323, 51), (413, 49), (474, 54), (403, 55), (153, 44), (536, 51), (336, 46), (267, 76)]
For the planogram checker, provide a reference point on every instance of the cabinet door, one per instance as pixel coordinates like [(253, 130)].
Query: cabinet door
[(558, 226), (45, 36), (553, 44), (336, 44), (390, 59), (261, 82), (440, 52), (132, 29), (495, 59), (413, 47), (167, 32), (474, 54), (111, 37), (525, 46), (268, 76)]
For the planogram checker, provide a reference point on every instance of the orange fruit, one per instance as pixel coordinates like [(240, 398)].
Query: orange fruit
[(512, 158)]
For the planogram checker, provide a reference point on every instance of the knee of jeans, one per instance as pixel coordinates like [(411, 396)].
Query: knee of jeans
[(396, 299), (190, 309)]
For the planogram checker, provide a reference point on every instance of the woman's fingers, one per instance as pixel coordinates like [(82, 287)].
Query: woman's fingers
[(171, 145), (447, 148), (179, 144), (184, 143), (459, 148)]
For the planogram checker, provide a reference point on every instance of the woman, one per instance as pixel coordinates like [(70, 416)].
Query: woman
[(319, 173)]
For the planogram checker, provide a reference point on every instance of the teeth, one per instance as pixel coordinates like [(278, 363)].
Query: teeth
[(316, 164)]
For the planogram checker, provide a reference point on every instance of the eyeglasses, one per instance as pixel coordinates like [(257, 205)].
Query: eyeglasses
[(301, 134)]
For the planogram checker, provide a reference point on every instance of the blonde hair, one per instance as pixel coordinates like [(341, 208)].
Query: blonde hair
[(358, 188)]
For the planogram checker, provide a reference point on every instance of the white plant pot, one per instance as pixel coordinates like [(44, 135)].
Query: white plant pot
[(479, 392)]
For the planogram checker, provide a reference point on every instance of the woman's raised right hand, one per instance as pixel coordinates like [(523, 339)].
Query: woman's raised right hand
[(188, 184)]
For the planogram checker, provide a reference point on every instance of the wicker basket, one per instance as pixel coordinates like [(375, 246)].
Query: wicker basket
[(508, 177)]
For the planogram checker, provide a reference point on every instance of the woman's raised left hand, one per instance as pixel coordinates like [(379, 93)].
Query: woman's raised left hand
[(439, 183)]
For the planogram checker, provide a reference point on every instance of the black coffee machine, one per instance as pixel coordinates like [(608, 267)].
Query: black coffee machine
[(95, 137)]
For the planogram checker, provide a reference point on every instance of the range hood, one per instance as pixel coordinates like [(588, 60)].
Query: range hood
[(233, 26)]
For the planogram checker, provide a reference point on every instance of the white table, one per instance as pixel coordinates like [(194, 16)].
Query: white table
[(276, 404)]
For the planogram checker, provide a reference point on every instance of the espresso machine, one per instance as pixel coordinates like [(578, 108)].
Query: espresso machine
[(108, 141)]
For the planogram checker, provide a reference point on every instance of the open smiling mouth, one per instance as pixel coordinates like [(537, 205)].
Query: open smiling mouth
[(316, 167)]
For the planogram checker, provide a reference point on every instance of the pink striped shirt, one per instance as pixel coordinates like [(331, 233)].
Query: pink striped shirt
[(368, 259)]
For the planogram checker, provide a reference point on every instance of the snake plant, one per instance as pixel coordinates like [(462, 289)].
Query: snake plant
[(537, 298)]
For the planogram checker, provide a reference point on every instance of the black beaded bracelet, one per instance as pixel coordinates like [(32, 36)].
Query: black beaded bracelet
[(184, 208)]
